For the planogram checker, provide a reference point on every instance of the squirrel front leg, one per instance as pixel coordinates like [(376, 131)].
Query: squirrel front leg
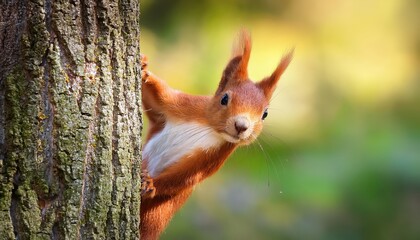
[(156, 94), (171, 183)]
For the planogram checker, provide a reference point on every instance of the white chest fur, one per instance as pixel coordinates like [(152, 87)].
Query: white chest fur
[(176, 141)]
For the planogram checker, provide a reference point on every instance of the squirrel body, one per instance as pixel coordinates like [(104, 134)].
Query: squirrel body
[(190, 137)]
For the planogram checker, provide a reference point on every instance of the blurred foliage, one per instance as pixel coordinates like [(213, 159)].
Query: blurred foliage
[(340, 154)]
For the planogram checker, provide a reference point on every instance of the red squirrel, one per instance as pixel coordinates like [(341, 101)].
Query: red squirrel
[(190, 137)]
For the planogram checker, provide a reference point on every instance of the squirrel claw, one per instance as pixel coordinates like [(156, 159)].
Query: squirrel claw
[(147, 188)]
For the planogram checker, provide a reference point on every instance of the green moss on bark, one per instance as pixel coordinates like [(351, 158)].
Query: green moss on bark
[(18, 173), (10, 163)]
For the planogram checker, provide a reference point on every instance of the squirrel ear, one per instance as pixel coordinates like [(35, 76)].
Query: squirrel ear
[(237, 68), (268, 84)]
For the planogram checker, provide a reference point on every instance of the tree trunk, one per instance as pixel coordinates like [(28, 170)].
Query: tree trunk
[(70, 119)]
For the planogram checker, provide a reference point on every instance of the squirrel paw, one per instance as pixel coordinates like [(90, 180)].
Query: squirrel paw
[(147, 188), (143, 61), (145, 75)]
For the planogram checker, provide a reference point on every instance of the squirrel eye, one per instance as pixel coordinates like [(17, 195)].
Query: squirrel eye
[(265, 114), (225, 99)]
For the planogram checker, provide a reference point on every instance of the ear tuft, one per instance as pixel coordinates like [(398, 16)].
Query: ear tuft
[(242, 48), (242, 44), (268, 85), (237, 68), (284, 63)]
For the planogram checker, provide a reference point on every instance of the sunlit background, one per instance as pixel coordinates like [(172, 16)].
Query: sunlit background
[(339, 157)]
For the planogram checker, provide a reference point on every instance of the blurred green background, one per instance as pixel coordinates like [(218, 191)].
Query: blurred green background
[(339, 157)]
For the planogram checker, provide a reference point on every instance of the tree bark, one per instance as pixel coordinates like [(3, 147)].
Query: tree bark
[(70, 119)]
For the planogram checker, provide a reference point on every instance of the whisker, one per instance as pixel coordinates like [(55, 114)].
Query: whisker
[(278, 139), (290, 151), (267, 143), (268, 159)]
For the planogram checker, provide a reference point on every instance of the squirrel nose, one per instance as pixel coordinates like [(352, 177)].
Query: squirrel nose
[(241, 127)]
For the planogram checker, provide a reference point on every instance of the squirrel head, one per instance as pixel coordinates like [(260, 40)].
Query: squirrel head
[(239, 106)]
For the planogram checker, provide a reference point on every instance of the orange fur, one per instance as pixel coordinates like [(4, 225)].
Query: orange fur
[(165, 193)]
